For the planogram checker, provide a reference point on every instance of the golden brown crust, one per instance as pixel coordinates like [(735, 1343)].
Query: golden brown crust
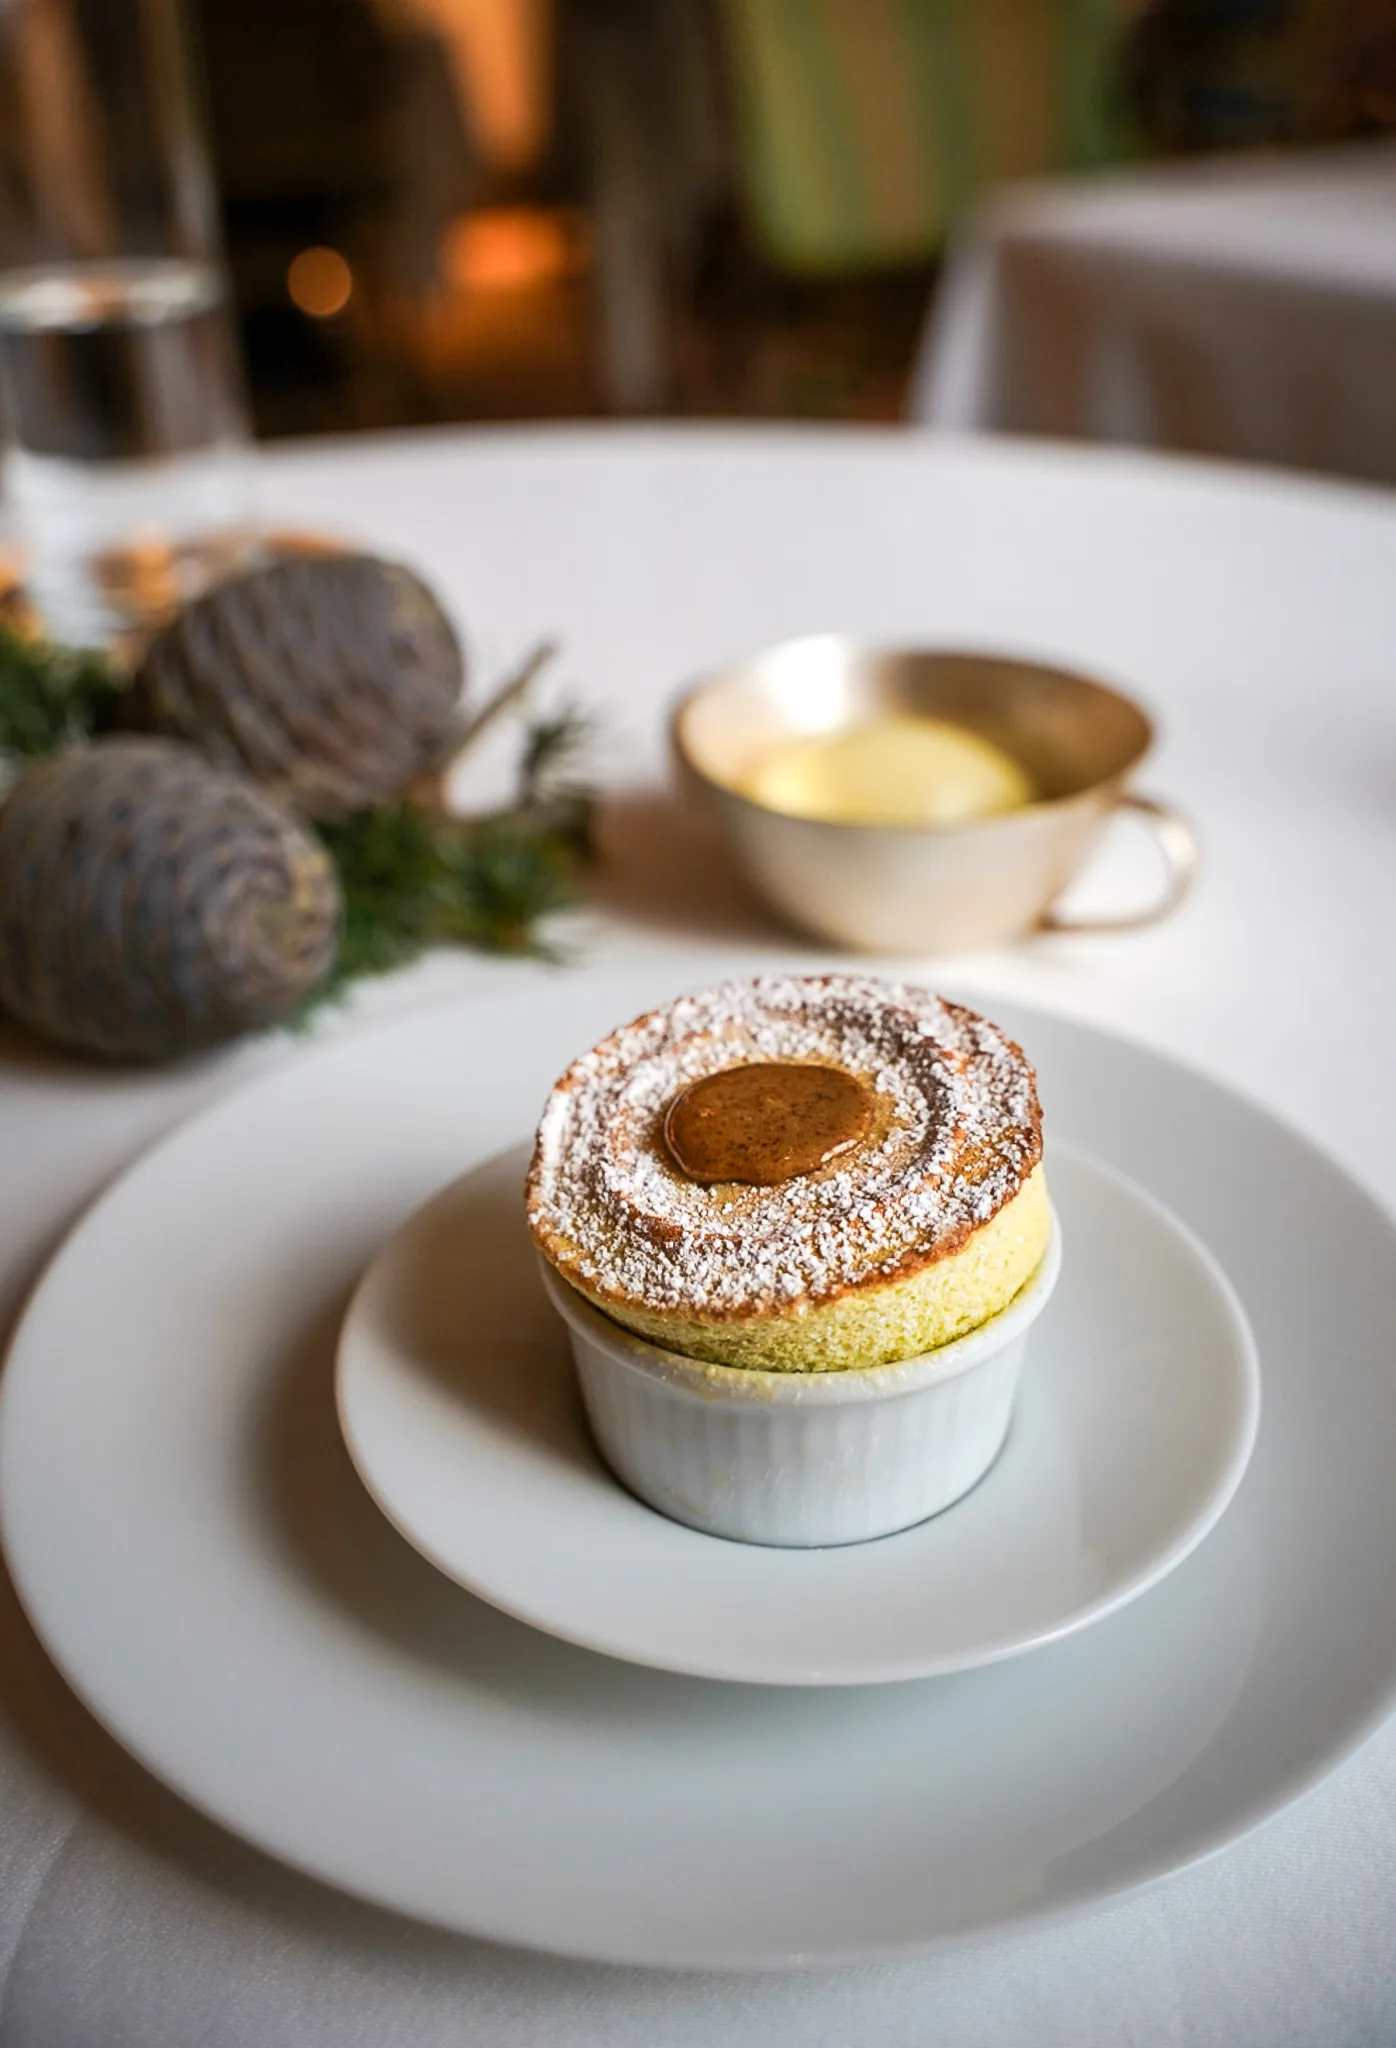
[(956, 1135)]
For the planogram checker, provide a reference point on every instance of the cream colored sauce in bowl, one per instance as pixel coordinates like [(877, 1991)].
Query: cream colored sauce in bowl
[(892, 770)]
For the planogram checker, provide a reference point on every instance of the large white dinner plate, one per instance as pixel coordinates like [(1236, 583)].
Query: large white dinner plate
[(1135, 1420), (191, 1540)]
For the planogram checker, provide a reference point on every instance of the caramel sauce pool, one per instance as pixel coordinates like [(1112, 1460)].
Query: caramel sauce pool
[(766, 1122)]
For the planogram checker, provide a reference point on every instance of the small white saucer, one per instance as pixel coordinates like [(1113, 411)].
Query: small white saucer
[(1137, 1415)]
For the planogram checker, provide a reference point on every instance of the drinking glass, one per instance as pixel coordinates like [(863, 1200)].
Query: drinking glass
[(125, 469)]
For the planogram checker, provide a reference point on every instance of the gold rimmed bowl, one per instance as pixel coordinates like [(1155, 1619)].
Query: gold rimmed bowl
[(928, 888)]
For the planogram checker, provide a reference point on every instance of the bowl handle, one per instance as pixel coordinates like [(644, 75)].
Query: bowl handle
[(1176, 841)]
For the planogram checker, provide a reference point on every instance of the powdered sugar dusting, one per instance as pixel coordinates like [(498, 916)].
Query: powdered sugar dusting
[(956, 1134)]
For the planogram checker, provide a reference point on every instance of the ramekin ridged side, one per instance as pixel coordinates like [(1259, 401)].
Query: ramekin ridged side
[(802, 1459)]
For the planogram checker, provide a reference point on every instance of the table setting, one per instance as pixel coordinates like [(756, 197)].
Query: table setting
[(348, 1695), (696, 1198)]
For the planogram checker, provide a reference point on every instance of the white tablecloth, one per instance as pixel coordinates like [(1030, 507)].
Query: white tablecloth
[(1242, 308), (1259, 619)]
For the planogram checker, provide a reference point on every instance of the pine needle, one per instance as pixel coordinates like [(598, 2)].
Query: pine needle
[(553, 748), (413, 879), (52, 697)]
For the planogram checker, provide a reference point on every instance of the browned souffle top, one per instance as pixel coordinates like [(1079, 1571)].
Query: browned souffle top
[(955, 1131)]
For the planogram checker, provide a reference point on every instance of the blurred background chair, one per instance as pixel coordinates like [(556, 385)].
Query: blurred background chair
[(521, 206), (866, 127), (826, 140), (466, 209), (338, 137)]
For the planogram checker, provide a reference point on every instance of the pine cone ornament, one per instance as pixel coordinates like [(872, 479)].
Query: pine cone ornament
[(151, 904), (334, 680)]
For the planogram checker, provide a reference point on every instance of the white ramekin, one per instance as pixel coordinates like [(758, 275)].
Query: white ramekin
[(801, 1459)]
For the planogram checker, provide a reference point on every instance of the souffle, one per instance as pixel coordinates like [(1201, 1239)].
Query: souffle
[(795, 1174)]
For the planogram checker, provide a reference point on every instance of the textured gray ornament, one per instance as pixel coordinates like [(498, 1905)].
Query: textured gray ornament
[(151, 904), (334, 680)]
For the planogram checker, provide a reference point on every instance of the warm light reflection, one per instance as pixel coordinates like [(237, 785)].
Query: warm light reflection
[(500, 51), (508, 248), (320, 282)]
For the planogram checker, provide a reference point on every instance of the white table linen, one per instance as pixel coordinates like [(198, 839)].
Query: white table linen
[(1241, 308), (1258, 617)]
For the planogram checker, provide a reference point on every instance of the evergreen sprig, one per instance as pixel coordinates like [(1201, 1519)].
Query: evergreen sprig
[(414, 879), (52, 697)]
